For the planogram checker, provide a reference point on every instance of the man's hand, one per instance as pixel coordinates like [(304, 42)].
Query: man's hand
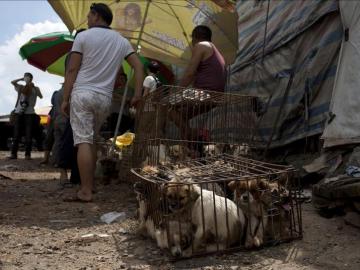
[(65, 108), (135, 101)]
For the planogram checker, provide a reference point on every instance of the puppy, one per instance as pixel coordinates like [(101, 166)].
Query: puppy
[(253, 197), (177, 237), (241, 150), (150, 210), (178, 153), (266, 208), (188, 200), (212, 150), (156, 154)]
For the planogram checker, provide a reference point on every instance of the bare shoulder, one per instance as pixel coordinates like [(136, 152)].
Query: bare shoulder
[(203, 45), (205, 48)]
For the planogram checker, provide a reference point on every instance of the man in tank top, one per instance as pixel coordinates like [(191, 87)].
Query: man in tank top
[(206, 70)]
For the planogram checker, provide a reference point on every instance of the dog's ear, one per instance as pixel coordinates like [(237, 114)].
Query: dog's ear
[(263, 184), (232, 185), (193, 195)]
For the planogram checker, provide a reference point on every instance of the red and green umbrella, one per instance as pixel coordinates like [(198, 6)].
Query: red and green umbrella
[(48, 53)]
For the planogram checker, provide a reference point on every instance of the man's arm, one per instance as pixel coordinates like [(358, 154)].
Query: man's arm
[(70, 77), (15, 82), (38, 92), (197, 55), (135, 63)]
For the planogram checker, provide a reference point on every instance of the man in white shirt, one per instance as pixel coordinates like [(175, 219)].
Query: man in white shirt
[(96, 58)]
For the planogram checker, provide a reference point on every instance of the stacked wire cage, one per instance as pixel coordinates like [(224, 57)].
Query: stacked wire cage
[(197, 189), (176, 123)]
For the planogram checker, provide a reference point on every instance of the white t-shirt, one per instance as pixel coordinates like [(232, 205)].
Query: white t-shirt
[(150, 82), (31, 99), (103, 51)]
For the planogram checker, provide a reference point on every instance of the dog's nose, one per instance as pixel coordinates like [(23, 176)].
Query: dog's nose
[(245, 197), (177, 253)]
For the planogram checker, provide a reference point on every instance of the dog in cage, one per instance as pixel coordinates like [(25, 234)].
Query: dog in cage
[(177, 237), (263, 204), (253, 197), (240, 150), (150, 203), (213, 217)]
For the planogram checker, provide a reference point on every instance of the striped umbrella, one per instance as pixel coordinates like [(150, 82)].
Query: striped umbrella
[(48, 52)]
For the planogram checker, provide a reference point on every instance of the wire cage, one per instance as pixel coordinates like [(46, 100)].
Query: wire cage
[(192, 121), (217, 204)]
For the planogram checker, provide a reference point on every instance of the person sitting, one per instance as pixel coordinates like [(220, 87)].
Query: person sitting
[(206, 70)]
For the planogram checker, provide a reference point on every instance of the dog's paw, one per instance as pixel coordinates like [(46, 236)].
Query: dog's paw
[(257, 242)]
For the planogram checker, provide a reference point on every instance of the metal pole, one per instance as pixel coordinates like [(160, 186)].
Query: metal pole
[(130, 77)]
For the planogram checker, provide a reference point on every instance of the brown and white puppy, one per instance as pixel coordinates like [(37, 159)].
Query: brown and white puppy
[(151, 208), (253, 197), (225, 227), (177, 237)]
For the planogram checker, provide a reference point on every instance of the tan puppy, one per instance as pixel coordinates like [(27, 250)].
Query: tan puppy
[(253, 197), (225, 227)]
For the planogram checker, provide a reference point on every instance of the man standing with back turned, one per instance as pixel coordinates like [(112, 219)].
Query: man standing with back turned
[(97, 55)]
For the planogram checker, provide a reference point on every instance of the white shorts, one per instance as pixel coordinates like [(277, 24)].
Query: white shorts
[(88, 111)]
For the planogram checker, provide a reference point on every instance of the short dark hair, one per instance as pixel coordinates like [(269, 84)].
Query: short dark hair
[(28, 74), (202, 32), (154, 67), (104, 11)]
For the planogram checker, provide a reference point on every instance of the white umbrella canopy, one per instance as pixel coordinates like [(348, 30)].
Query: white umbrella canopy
[(161, 28)]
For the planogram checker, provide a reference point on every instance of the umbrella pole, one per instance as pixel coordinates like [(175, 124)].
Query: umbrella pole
[(127, 82)]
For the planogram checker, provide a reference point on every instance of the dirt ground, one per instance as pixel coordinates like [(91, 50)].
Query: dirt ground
[(40, 231)]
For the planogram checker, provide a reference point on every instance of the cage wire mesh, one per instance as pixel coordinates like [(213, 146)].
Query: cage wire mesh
[(217, 204), (198, 191), (189, 123)]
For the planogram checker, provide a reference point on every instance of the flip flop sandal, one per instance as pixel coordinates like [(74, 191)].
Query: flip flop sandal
[(75, 198)]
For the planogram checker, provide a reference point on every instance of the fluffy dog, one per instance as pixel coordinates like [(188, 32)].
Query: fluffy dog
[(264, 205), (178, 152), (188, 200), (176, 238), (151, 208), (253, 197)]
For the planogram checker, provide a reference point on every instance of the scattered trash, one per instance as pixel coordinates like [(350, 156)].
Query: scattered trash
[(103, 235), (353, 171), (89, 235), (112, 216)]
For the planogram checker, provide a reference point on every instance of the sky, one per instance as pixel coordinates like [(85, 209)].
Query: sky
[(20, 21)]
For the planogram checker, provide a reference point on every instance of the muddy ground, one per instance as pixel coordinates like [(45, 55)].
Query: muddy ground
[(40, 231)]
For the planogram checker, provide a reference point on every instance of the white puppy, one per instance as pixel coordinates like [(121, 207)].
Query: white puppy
[(225, 227)]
